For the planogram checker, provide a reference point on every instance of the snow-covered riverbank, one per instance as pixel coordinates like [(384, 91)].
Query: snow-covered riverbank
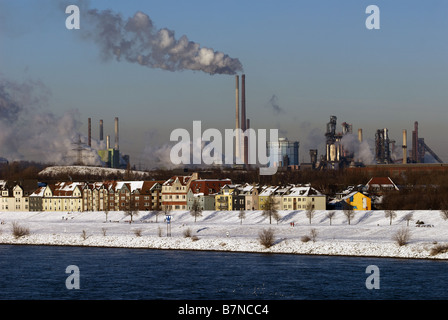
[(369, 233)]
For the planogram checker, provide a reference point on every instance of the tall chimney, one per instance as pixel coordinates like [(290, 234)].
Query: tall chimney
[(243, 116), (237, 118), (101, 130), (107, 142), (116, 133), (415, 156), (360, 135), (90, 132), (246, 146), (405, 151)]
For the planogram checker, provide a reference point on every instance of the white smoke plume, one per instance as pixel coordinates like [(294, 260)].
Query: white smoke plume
[(361, 150), (137, 40), (28, 132)]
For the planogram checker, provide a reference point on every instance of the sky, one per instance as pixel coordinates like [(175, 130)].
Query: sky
[(304, 61)]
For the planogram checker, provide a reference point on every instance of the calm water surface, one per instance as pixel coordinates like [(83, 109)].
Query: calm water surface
[(39, 272)]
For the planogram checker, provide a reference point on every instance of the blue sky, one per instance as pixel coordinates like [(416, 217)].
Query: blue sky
[(316, 57)]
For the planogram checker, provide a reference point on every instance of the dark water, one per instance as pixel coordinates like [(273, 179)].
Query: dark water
[(39, 272)]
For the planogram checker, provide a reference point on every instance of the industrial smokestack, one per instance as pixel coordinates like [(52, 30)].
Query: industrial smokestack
[(116, 133), (107, 142), (243, 116), (237, 117), (101, 130), (360, 135), (247, 141), (405, 151), (90, 132), (415, 157)]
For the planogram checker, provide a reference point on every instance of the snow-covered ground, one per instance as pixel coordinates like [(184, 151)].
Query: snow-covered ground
[(369, 233)]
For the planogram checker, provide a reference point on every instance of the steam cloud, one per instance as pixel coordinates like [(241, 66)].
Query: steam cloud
[(137, 41), (29, 132), (361, 150)]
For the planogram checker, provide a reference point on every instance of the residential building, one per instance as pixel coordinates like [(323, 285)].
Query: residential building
[(149, 196), (63, 196), (14, 196), (251, 193), (174, 192), (302, 198), (264, 196), (35, 199), (238, 199), (380, 184), (204, 191), (224, 198)]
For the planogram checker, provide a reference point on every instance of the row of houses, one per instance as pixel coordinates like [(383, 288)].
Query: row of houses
[(175, 194)]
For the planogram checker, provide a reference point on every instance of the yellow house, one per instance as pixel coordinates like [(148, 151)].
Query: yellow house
[(302, 198), (224, 200), (263, 196), (358, 201), (63, 196)]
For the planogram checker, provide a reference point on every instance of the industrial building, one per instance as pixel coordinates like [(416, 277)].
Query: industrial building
[(111, 157), (345, 153), (287, 152), (336, 154)]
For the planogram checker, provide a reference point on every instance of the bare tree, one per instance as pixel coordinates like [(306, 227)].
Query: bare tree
[(242, 215), (132, 209), (266, 237), (330, 215), (270, 209), (349, 213), (130, 212), (19, 231), (196, 210), (106, 212), (444, 214), (310, 211), (391, 215), (402, 236), (408, 217), (313, 234)]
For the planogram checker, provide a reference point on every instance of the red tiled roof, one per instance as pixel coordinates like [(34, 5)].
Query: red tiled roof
[(208, 186)]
